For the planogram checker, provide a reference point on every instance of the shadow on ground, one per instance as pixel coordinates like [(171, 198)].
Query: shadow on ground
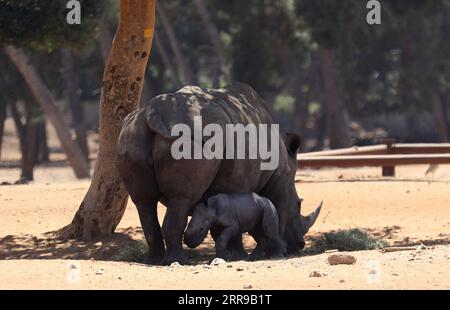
[(128, 245)]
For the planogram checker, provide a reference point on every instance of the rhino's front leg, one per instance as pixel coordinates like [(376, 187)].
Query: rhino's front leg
[(235, 247), (223, 240), (173, 227)]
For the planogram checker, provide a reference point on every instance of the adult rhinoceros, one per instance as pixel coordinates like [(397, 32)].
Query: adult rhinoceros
[(151, 174)]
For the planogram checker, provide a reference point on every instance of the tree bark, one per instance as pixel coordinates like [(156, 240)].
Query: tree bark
[(2, 124), (337, 116), (106, 200), (45, 99), (166, 60), (214, 35), (175, 45), (76, 109)]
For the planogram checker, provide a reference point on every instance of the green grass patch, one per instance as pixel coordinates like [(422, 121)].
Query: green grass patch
[(345, 240), (133, 252)]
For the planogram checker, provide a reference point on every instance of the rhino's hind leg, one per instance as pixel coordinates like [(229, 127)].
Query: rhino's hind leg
[(174, 224), (152, 230), (236, 248)]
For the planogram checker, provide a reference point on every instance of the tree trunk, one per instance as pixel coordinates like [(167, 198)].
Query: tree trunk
[(166, 60), (440, 116), (337, 116), (214, 35), (2, 124), (20, 127), (105, 38), (105, 202), (175, 45), (45, 99), (71, 82), (29, 150), (43, 151)]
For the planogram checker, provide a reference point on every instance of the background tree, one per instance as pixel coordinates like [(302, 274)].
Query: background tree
[(38, 24), (104, 204)]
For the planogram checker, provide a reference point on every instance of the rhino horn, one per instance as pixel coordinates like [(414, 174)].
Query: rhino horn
[(311, 218)]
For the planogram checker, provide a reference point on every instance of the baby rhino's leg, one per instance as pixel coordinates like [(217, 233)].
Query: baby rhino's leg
[(222, 239), (261, 244), (270, 225)]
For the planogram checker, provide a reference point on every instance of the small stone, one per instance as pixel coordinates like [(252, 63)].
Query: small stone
[(119, 278), (99, 272), (315, 274), (341, 281), (341, 259), (175, 265), (99, 243), (239, 269), (373, 271), (196, 272), (421, 247), (331, 251), (229, 266), (247, 286), (217, 261), (395, 274)]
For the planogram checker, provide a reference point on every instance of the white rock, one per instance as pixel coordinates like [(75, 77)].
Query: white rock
[(218, 261), (175, 265)]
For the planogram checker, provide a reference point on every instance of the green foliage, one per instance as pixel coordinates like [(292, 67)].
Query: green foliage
[(272, 45), (42, 24)]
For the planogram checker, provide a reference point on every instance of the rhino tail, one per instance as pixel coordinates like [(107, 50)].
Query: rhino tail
[(155, 123)]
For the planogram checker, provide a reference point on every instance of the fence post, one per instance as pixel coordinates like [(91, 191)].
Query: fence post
[(389, 171)]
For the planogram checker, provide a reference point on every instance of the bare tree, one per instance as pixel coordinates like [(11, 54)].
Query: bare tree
[(337, 116), (175, 45), (213, 33), (71, 81), (105, 202), (46, 101), (440, 115), (167, 62)]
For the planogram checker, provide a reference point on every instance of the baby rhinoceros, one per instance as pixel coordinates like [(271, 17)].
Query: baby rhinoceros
[(228, 216)]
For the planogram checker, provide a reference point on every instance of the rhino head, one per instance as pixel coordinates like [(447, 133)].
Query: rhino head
[(297, 225)]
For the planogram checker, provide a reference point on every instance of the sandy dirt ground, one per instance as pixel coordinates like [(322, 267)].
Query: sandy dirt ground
[(408, 210)]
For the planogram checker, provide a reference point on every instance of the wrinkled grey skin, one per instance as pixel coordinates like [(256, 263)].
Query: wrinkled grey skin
[(231, 215), (151, 174)]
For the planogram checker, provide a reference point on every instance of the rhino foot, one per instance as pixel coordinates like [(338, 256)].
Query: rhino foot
[(180, 259)]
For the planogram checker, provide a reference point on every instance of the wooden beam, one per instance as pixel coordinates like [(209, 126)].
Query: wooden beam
[(382, 149), (371, 160), (421, 148), (355, 150)]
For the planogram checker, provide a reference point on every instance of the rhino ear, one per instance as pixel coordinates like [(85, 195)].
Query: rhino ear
[(293, 143)]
